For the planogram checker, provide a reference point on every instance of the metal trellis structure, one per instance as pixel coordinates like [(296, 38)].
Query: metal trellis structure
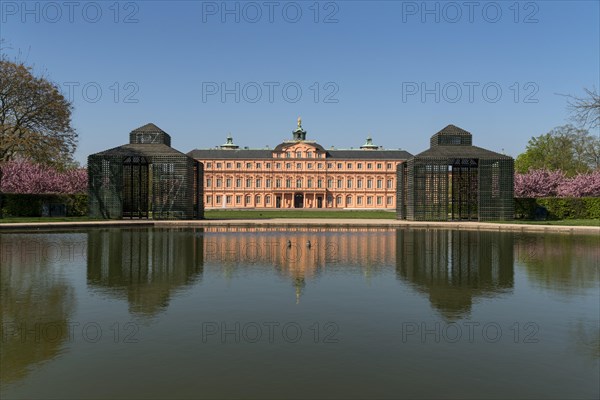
[(145, 179), (455, 180)]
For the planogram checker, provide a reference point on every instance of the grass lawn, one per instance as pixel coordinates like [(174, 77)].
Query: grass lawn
[(45, 219)]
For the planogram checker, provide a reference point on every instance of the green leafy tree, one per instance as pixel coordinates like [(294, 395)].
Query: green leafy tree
[(35, 118), (565, 148)]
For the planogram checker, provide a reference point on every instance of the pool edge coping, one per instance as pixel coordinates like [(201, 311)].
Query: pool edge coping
[(322, 222)]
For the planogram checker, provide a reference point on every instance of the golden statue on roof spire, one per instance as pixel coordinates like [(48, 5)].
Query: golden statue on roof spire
[(299, 122)]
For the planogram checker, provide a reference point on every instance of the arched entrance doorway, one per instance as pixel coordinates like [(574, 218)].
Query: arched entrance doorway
[(298, 200)]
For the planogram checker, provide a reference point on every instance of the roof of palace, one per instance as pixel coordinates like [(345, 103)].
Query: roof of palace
[(205, 154)]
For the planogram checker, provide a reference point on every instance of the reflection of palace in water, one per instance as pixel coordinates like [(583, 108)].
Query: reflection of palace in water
[(300, 252), (454, 267), (144, 265)]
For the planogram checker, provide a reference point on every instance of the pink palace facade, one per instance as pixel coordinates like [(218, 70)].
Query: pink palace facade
[(299, 173)]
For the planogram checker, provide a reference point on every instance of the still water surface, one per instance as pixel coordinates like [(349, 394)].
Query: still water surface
[(260, 312)]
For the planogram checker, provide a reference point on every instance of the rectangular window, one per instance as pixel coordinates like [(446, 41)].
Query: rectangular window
[(338, 200), (379, 200), (258, 182), (268, 165), (339, 165), (218, 199), (320, 183), (288, 183), (228, 199), (238, 182), (298, 154), (268, 183), (288, 154), (209, 165), (238, 165), (218, 165), (390, 199), (238, 199), (278, 183), (349, 184), (219, 182), (359, 166), (359, 200), (309, 166), (228, 182), (379, 166), (369, 200), (379, 183), (309, 183), (208, 199), (369, 166), (268, 200), (278, 165), (329, 183), (359, 183), (349, 201), (319, 166), (248, 165), (208, 182), (288, 165), (298, 166), (389, 166), (329, 165), (258, 165), (308, 154), (339, 183), (369, 183), (228, 165), (248, 183), (298, 183), (257, 199), (349, 166)]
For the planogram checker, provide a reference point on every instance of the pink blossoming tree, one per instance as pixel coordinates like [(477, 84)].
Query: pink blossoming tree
[(544, 183), (24, 176)]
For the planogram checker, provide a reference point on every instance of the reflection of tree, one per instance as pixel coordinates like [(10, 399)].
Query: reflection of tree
[(144, 265), (453, 267), (586, 336), (36, 303), (564, 263)]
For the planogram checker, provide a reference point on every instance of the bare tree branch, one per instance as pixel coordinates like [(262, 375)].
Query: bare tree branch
[(585, 110)]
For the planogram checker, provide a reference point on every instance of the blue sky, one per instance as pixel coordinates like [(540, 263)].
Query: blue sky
[(399, 71)]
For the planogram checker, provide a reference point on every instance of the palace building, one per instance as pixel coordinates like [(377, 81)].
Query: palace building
[(300, 173)]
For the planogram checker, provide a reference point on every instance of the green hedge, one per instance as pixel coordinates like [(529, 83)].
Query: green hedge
[(558, 208), (30, 205)]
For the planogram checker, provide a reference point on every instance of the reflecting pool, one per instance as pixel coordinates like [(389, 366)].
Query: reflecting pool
[(301, 312)]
